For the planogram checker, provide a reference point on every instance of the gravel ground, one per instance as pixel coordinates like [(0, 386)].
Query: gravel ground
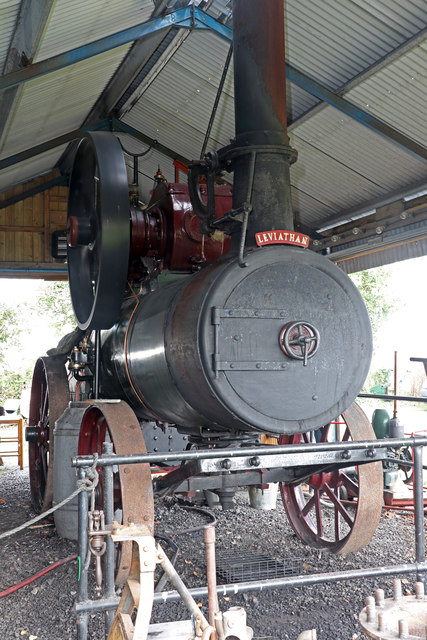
[(44, 609)]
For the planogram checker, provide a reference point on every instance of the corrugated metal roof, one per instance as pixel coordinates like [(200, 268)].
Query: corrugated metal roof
[(57, 103), (408, 251), (334, 40), (398, 94), (333, 135), (9, 10), (176, 107), (307, 208), (326, 179), (76, 23)]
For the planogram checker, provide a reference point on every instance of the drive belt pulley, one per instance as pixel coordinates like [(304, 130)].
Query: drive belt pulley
[(98, 231)]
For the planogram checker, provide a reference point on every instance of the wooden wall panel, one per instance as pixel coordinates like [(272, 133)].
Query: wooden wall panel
[(26, 228)]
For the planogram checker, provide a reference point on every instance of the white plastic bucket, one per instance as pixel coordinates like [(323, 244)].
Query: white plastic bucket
[(264, 499)]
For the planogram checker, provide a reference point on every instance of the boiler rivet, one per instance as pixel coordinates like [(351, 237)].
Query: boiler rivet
[(258, 366), (232, 365), (126, 470), (237, 338), (315, 397)]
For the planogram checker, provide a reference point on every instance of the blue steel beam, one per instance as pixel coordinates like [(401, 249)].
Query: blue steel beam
[(356, 113), (184, 18), (192, 17)]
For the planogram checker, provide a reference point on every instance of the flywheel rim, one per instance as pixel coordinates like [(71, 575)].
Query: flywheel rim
[(98, 231)]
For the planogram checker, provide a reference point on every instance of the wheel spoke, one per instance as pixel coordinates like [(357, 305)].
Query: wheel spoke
[(339, 507), (309, 505), (45, 407), (324, 433), (349, 484), (318, 513)]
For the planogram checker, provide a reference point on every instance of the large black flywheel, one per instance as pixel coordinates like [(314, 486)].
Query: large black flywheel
[(98, 231)]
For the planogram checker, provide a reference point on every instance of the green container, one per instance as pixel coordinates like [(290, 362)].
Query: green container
[(380, 423), (380, 389)]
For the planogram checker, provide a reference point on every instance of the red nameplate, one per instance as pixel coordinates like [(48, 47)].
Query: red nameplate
[(282, 237)]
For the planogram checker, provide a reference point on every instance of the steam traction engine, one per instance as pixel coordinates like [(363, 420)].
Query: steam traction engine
[(205, 321)]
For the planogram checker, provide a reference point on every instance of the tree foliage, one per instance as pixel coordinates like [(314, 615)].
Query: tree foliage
[(373, 284), (55, 303), (9, 328), (11, 379)]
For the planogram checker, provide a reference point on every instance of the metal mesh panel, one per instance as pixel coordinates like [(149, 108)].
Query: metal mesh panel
[(232, 567)]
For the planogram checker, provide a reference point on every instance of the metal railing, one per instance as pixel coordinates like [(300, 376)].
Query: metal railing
[(109, 601)]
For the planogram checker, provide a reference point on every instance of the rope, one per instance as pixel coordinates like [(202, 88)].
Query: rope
[(83, 484)]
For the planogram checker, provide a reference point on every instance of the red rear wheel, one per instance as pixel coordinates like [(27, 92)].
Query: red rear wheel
[(49, 398), (318, 509), (133, 494)]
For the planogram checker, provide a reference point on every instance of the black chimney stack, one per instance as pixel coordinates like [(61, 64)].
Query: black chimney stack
[(260, 113)]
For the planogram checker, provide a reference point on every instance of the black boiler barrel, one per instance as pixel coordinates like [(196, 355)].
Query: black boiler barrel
[(210, 351)]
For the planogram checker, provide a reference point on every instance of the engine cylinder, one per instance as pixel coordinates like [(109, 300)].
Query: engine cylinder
[(281, 346)]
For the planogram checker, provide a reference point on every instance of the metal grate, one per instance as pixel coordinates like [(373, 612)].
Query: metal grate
[(232, 567)]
